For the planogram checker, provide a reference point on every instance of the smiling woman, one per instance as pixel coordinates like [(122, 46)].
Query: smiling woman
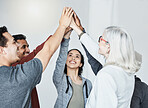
[(72, 88)]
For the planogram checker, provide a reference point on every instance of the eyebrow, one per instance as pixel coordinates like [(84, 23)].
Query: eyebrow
[(76, 54), (25, 46)]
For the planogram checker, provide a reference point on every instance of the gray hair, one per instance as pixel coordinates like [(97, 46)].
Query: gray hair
[(122, 51)]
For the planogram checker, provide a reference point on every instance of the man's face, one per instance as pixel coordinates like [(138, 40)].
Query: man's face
[(11, 49), (23, 48)]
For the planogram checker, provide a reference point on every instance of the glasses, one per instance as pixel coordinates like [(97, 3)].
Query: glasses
[(101, 39)]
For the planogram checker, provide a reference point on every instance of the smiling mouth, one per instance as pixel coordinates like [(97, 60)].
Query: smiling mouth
[(27, 53), (72, 62)]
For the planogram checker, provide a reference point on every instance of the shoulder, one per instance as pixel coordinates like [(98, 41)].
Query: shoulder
[(140, 84), (32, 66), (110, 68), (108, 74), (113, 71), (34, 61), (107, 70), (87, 81)]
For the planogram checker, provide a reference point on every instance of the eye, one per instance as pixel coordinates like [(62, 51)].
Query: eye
[(77, 57), (24, 46), (70, 55)]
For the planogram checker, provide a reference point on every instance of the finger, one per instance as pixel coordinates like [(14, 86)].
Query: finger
[(72, 20), (67, 10), (70, 12), (74, 12), (75, 16), (64, 9)]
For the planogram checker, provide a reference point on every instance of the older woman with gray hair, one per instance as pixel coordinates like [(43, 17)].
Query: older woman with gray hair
[(114, 84)]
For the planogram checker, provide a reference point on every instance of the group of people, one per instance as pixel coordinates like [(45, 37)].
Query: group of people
[(112, 60)]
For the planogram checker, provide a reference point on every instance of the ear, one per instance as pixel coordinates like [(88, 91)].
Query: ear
[(2, 51), (108, 49)]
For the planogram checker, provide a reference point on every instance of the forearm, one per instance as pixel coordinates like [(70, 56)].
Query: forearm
[(60, 63), (95, 65), (50, 46)]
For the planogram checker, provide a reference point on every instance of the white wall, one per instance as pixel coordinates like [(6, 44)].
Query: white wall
[(129, 14), (133, 16), (37, 19)]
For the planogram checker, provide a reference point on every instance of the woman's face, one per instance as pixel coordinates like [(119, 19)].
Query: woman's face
[(103, 46), (73, 59)]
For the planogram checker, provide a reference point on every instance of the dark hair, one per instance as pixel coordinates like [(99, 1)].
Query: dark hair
[(19, 37), (3, 40), (82, 61)]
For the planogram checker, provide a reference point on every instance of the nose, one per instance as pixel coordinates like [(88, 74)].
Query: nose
[(73, 58), (17, 44), (27, 49)]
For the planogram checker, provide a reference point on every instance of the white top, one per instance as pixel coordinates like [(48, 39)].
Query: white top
[(113, 87)]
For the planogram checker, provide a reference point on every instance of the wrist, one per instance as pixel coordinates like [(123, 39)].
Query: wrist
[(62, 26), (80, 35)]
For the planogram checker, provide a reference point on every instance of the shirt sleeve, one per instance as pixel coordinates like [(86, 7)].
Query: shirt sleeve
[(29, 73), (103, 94), (60, 63), (92, 47)]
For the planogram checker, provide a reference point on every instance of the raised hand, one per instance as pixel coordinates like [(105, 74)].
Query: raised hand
[(76, 25), (73, 24), (77, 21), (66, 17)]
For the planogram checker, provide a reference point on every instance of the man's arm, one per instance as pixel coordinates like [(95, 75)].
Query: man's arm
[(53, 42)]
